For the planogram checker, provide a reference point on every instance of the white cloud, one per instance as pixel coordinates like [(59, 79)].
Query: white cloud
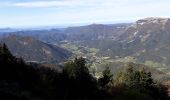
[(61, 3), (45, 4), (54, 3)]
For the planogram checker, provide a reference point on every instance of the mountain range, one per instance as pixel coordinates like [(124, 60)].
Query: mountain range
[(146, 41)]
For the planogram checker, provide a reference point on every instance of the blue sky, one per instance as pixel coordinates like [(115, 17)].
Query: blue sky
[(30, 13)]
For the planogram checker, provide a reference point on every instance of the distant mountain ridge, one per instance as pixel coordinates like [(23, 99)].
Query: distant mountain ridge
[(94, 32), (78, 33), (48, 36)]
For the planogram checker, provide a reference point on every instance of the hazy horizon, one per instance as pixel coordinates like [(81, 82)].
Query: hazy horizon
[(41, 13), (68, 25)]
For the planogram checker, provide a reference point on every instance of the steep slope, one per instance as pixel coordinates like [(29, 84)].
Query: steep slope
[(147, 42), (148, 39), (35, 50)]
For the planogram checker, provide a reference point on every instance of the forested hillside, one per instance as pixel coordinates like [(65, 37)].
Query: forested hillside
[(24, 82), (33, 50)]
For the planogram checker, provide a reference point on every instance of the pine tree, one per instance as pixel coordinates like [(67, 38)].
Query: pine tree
[(106, 77), (6, 54)]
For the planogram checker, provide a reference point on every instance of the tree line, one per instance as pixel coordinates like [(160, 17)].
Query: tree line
[(27, 82)]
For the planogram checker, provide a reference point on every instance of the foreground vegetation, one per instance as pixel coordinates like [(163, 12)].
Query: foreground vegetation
[(25, 82)]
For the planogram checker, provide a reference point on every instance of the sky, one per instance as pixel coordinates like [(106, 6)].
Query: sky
[(31, 13)]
